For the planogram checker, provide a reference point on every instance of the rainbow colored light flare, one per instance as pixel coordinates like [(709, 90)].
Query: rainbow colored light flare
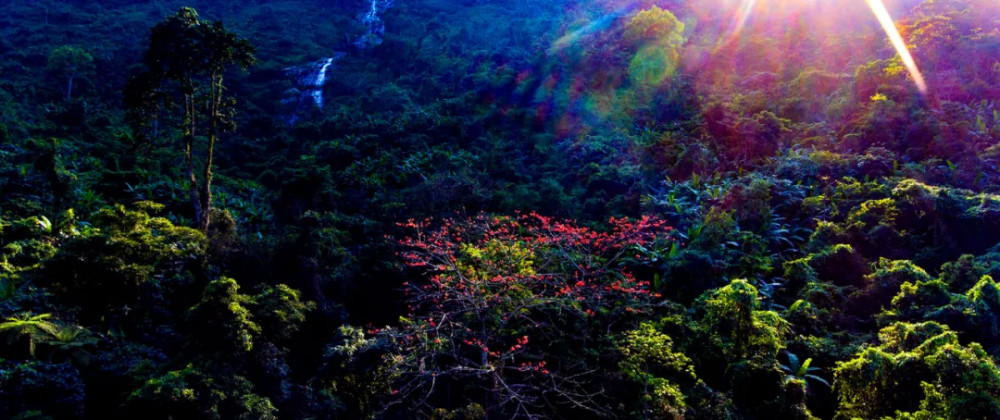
[(743, 15), (882, 13)]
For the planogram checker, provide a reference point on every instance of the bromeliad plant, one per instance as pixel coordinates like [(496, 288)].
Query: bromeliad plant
[(519, 309)]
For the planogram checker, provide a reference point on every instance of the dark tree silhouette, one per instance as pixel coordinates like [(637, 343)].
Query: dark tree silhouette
[(187, 59)]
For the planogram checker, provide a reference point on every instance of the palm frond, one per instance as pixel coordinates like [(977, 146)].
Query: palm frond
[(818, 379)]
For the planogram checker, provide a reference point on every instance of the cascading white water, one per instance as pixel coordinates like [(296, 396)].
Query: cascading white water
[(374, 24), (309, 80), (317, 85), (309, 83), (375, 28), (372, 12)]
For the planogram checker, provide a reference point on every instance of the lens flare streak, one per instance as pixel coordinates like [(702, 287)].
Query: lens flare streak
[(597, 25), (744, 15), (740, 19), (882, 13)]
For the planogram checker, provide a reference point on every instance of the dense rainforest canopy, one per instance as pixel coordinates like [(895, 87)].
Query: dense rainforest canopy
[(347, 209)]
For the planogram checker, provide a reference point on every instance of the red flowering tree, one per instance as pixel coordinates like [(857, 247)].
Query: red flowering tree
[(518, 312)]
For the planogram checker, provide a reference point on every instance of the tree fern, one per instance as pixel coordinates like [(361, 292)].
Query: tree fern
[(27, 325), (71, 342)]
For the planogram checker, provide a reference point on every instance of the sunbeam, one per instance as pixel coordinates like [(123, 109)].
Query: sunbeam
[(744, 14), (897, 42), (739, 21)]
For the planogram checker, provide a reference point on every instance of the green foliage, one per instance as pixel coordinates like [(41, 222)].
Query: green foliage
[(985, 298), (355, 373), (734, 323), (919, 370), (986, 292), (29, 327), (738, 349), (279, 311), (71, 343), (730, 312), (873, 213), (654, 25), (717, 226), (801, 371), (113, 266), (172, 389), (650, 361), (656, 34), (963, 273), (55, 389), (189, 393), (839, 264), (885, 282), (797, 157), (221, 324), (184, 46), (188, 57), (70, 62), (914, 298), (471, 412), (798, 273)]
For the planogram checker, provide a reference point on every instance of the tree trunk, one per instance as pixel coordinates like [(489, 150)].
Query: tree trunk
[(213, 131), (69, 88), (189, 153)]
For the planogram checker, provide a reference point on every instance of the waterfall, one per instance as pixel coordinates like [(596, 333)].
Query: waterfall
[(372, 13), (374, 25), (310, 79), (319, 81)]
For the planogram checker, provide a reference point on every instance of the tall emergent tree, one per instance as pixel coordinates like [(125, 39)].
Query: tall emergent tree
[(187, 60), (70, 62)]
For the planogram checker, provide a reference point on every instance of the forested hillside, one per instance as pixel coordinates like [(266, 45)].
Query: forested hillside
[(485, 209)]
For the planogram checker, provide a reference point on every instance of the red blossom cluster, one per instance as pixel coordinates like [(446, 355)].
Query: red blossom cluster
[(534, 367), (493, 282)]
